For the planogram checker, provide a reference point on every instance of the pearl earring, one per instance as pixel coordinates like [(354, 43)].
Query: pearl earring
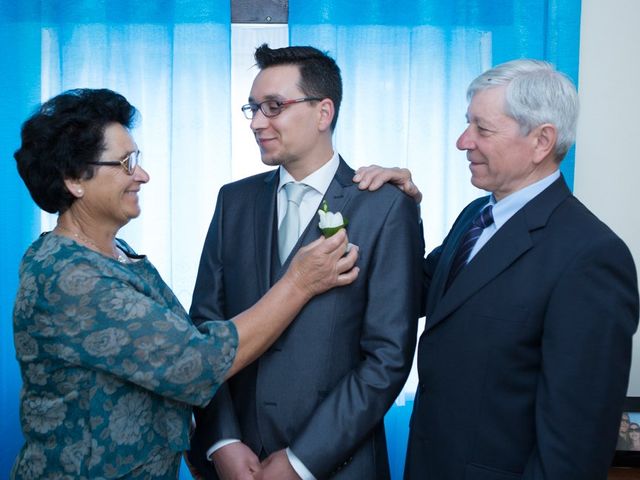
[(79, 191)]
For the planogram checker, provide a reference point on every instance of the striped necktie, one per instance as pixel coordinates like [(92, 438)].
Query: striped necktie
[(289, 230), (479, 223)]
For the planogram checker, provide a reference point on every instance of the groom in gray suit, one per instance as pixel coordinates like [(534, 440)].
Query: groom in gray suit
[(313, 405)]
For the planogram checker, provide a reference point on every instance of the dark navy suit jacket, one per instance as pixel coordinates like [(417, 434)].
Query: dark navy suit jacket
[(524, 360), (323, 388)]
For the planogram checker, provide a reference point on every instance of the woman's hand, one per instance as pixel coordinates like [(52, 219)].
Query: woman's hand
[(316, 268), (322, 265)]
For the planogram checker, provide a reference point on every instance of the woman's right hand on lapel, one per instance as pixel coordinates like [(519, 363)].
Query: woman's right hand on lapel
[(322, 264)]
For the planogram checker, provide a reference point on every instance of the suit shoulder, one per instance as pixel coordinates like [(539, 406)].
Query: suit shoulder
[(387, 200), (574, 212), (387, 194), (583, 225), (253, 181)]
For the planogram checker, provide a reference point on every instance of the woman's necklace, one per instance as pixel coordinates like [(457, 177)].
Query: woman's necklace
[(115, 253)]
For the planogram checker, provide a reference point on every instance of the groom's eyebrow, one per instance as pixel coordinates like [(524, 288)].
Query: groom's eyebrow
[(266, 97)]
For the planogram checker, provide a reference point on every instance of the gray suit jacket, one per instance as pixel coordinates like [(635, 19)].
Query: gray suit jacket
[(323, 388)]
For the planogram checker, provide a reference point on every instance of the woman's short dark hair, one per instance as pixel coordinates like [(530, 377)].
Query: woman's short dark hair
[(63, 137)]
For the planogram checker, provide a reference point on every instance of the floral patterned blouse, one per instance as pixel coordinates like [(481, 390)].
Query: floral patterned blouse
[(111, 365)]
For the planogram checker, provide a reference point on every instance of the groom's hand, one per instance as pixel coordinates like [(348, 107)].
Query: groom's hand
[(277, 467), (236, 461)]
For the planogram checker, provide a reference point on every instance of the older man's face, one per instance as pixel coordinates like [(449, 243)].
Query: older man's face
[(500, 157)]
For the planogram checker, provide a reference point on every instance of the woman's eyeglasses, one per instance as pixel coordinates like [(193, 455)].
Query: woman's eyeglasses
[(129, 163)]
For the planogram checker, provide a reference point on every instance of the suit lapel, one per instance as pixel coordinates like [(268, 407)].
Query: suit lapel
[(511, 241), (449, 249), (264, 221), (502, 250)]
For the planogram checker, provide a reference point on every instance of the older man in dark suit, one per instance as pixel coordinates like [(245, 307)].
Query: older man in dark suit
[(313, 405), (531, 302)]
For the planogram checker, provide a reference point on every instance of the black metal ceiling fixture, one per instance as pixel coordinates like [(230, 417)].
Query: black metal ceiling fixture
[(259, 11)]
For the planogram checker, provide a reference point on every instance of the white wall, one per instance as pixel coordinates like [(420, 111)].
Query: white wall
[(607, 170)]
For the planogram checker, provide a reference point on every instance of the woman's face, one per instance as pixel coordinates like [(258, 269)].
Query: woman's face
[(634, 432), (624, 424), (111, 195)]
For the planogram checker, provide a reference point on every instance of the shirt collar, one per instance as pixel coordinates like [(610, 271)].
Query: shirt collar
[(508, 206), (318, 180)]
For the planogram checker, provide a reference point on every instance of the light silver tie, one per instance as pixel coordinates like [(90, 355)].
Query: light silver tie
[(289, 230)]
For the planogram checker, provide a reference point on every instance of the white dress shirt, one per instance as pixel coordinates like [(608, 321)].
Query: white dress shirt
[(319, 182)]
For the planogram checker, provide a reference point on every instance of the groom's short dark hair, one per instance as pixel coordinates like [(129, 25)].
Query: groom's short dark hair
[(319, 74)]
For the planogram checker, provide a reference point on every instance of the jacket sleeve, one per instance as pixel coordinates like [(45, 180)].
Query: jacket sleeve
[(217, 420), (353, 408), (586, 355)]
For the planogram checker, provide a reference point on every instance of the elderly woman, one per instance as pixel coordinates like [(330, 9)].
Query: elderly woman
[(110, 361)]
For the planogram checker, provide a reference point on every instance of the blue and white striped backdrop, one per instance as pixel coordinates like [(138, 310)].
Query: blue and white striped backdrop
[(405, 65)]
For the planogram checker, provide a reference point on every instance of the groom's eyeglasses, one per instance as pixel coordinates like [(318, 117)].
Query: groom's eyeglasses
[(272, 108)]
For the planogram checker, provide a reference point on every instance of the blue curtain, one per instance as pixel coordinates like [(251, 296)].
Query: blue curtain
[(19, 92), (406, 66), (405, 63)]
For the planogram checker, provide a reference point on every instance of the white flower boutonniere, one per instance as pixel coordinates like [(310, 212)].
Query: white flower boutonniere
[(330, 222)]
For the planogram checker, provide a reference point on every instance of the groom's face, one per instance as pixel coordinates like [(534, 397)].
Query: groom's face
[(288, 138)]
